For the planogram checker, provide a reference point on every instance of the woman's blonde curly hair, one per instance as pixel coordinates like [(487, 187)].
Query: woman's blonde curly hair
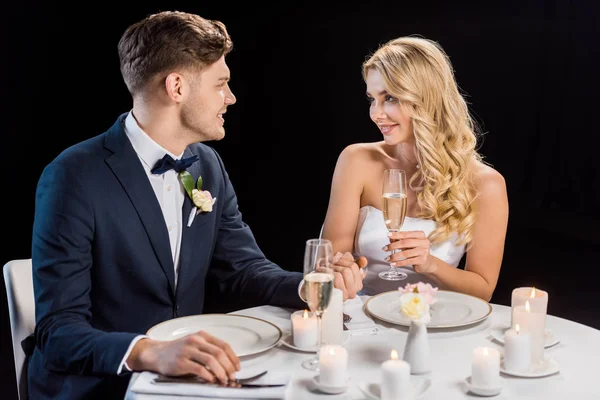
[(419, 74)]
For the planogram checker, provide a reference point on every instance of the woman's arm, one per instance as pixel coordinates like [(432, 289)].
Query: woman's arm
[(484, 257), (344, 200)]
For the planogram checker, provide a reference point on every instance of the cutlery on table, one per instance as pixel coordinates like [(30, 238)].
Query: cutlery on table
[(235, 383)]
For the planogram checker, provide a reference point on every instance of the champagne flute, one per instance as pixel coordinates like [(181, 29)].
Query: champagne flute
[(318, 286), (394, 210)]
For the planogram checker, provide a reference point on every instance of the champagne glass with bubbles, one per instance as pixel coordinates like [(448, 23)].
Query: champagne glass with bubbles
[(394, 211), (318, 285)]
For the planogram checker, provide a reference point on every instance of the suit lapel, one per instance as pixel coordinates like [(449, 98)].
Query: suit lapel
[(126, 166), (188, 234)]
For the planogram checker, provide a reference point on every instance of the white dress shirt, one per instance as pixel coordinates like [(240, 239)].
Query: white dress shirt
[(169, 192)]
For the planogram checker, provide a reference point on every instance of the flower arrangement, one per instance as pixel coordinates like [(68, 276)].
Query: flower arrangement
[(416, 300)]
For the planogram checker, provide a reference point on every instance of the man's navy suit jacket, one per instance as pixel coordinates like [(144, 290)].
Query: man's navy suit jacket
[(102, 266)]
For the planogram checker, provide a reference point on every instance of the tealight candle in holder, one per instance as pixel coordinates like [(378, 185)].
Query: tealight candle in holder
[(304, 329), (485, 368), (517, 350), (333, 362), (395, 379), (533, 323)]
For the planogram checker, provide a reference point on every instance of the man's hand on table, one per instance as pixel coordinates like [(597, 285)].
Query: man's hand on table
[(199, 353)]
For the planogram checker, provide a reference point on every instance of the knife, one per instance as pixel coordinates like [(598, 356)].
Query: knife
[(168, 379)]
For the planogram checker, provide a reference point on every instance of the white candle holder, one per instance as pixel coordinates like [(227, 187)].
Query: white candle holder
[(517, 350), (304, 330), (333, 319), (532, 323), (538, 301), (333, 363), (395, 379), (485, 377)]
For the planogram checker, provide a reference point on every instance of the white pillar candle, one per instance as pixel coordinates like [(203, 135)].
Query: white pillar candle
[(538, 301), (395, 379), (517, 350), (333, 361), (485, 369), (333, 319), (304, 329), (532, 323)]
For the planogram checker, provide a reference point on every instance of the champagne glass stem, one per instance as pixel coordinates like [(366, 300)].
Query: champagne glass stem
[(313, 363), (394, 273), (319, 338)]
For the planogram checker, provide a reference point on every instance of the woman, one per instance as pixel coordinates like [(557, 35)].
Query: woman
[(456, 203)]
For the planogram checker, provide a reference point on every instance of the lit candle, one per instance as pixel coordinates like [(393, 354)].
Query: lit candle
[(304, 329), (485, 369), (333, 319), (517, 350), (538, 300), (532, 323), (333, 361), (395, 379)]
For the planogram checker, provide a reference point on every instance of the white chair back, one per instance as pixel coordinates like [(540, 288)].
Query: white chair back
[(21, 309)]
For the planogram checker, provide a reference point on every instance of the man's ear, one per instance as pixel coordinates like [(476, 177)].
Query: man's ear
[(174, 86)]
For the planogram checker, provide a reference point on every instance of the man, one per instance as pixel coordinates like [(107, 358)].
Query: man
[(125, 236)]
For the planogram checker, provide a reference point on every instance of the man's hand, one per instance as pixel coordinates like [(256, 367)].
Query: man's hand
[(348, 274), (199, 354)]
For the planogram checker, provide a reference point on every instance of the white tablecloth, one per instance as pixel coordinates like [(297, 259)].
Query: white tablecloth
[(451, 350)]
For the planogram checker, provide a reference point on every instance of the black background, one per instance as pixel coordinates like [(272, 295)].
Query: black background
[(529, 70)]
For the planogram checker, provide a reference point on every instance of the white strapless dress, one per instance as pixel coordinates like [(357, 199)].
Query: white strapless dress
[(371, 236)]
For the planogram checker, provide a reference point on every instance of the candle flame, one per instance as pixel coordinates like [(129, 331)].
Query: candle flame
[(394, 355), (485, 351), (527, 307), (305, 314), (517, 328), (532, 295), (332, 351)]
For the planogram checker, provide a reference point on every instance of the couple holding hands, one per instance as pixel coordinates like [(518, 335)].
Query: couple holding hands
[(125, 235)]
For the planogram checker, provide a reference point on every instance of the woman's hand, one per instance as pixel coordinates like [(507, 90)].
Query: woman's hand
[(414, 250)]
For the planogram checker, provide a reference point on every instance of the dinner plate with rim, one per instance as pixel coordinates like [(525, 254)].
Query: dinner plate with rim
[(452, 309), (246, 335)]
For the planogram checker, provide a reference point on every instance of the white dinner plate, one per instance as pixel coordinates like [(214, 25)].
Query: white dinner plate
[(452, 309), (498, 331), (246, 335)]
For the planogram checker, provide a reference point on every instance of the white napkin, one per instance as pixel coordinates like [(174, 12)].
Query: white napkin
[(144, 384), (360, 324)]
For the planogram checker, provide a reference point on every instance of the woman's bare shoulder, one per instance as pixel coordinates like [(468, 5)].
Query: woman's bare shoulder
[(363, 152), (488, 180)]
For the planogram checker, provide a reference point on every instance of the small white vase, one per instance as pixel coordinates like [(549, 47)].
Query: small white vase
[(416, 350)]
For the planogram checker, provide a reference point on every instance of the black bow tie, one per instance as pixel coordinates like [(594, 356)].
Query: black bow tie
[(167, 162)]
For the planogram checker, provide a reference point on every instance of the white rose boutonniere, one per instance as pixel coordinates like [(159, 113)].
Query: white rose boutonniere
[(202, 199)]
